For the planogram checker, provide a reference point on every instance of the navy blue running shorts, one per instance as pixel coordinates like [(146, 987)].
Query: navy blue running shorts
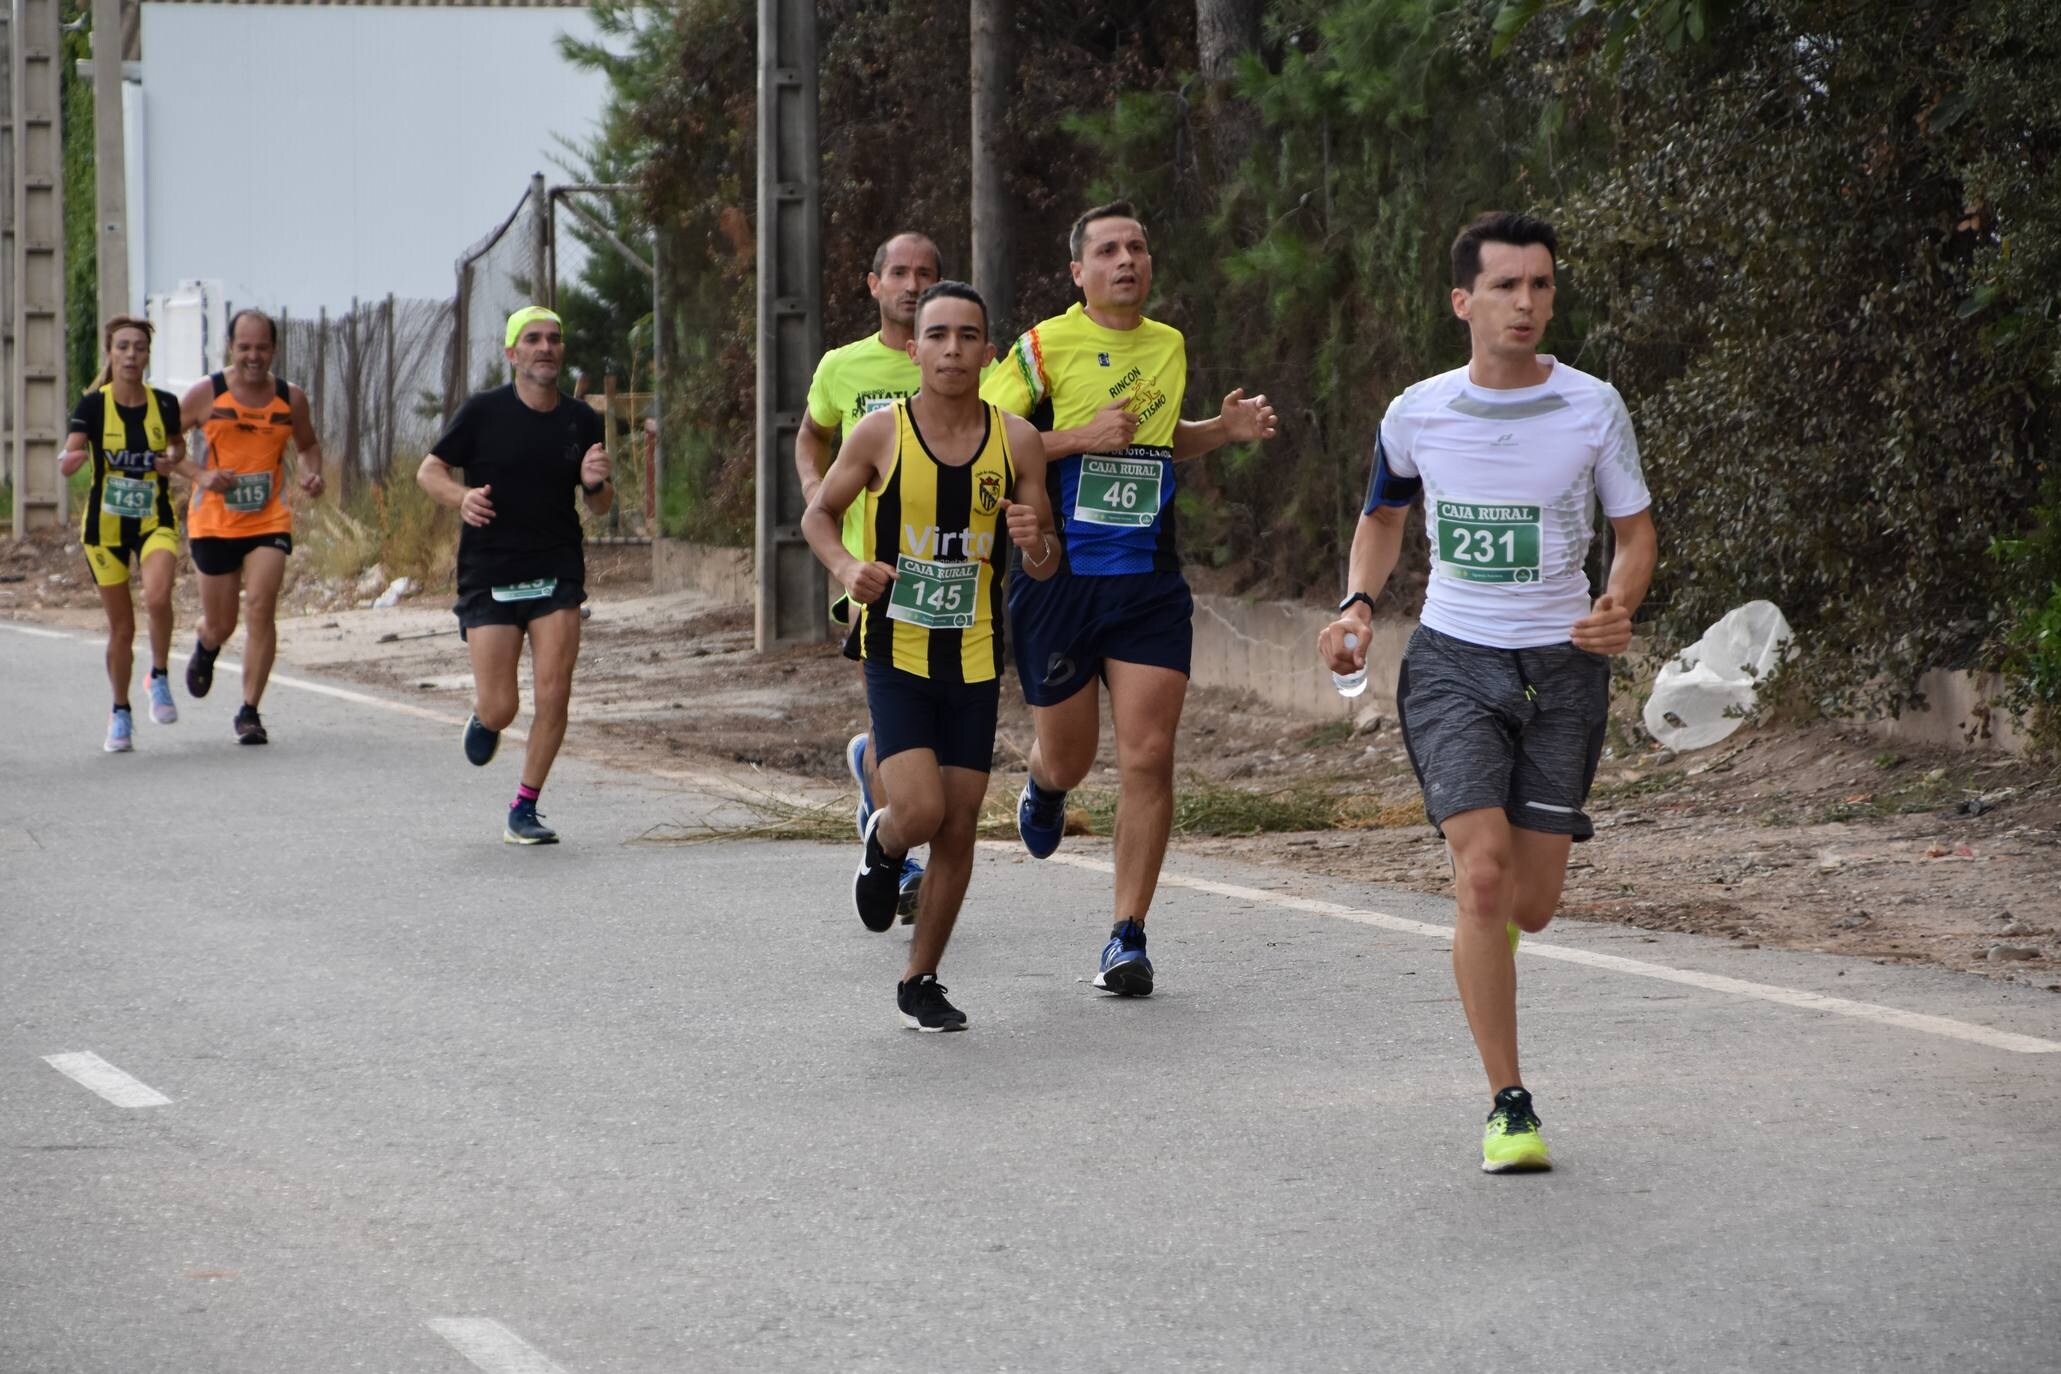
[(954, 720), (1066, 628), (1520, 729)]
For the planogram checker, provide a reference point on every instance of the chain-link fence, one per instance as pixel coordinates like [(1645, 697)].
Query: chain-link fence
[(496, 277), (383, 377), (375, 376)]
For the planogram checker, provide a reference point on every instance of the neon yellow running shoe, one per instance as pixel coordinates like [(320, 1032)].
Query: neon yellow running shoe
[(1512, 1143), (1510, 929)]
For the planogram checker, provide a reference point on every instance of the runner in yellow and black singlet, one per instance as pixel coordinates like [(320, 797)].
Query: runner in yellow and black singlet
[(948, 479), (852, 382), (130, 433)]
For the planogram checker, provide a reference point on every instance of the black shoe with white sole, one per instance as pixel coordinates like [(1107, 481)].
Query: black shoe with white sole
[(877, 887), (922, 1003)]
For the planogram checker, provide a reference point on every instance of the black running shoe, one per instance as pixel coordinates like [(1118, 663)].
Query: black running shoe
[(249, 729), (924, 1008), (876, 890), (525, 826), (200, 669), (480, 742)]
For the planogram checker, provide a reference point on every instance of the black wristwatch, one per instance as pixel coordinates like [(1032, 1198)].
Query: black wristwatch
[(595, 490), (1346, 604)]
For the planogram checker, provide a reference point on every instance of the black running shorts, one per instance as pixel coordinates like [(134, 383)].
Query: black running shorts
[(511, 607), (1520, 729), (219, 555), (954, 720)]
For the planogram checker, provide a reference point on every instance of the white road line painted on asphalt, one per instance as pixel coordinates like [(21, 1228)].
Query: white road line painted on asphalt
[(89, 1070), (492, 1346), (1709, 982), (229, 667)]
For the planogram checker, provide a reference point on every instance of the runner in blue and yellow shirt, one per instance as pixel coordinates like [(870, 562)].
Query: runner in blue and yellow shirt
[(1105, 384)]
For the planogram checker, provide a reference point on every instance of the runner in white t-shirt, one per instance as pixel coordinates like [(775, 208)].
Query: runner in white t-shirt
[(1504, 691)]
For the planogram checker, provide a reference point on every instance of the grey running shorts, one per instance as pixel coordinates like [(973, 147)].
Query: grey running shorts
[(1521, 729)]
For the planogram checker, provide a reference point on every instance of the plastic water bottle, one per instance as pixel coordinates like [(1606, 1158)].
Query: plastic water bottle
[(1350, 684)]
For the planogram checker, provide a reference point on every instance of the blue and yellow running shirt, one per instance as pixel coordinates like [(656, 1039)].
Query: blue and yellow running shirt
[(939, 526), (1115, 511)]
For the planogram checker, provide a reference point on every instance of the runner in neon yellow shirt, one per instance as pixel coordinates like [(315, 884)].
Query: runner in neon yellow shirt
[(851, 382)]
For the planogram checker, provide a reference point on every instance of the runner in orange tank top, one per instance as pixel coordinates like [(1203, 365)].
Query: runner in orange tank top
[(240, 527)]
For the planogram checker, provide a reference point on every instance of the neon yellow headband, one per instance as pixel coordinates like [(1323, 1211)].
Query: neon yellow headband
[(529, 314)]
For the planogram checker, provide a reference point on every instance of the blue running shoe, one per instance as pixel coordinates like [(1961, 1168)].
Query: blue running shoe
[(912, 891), (121, 731), (1125, 969), (1040, 819), (480, 742), (855, 761), (162, 709), (525, 826)]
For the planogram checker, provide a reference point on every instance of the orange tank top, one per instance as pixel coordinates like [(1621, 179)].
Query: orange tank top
[(249, 441)]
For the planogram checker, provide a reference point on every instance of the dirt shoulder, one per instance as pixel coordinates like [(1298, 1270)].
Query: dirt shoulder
[(1819, 837)]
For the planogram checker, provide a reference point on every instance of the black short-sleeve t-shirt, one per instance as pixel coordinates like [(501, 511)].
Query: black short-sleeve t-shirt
[(531, 461)]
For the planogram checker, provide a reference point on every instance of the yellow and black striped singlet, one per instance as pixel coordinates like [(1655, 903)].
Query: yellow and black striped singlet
[(128, 450), (947, 514)]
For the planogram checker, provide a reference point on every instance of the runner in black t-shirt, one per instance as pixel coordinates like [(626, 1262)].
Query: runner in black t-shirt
[(524, 447)]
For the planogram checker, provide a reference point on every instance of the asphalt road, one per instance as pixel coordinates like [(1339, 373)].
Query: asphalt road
[(413, 1100)]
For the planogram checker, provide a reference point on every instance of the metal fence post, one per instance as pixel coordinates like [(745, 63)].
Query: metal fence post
[(792, 601)]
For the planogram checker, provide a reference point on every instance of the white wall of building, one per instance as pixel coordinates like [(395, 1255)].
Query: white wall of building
[(305, 154)]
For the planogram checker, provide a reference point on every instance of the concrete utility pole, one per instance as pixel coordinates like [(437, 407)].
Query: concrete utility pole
[(35, 373), (110, 186), (793, 606), (994, 237)]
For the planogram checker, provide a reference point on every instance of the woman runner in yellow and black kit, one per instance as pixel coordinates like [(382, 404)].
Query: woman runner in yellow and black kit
[(130, 433), (950, 478)]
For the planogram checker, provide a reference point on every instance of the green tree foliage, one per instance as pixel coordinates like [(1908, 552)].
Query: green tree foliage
[(1842, 383), (81, 244), (1816, 243)]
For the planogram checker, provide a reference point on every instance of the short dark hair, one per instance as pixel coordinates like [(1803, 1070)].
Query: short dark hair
[(880, 253), (1497, 226), (254, 314), (1116, 209), (956, 290)]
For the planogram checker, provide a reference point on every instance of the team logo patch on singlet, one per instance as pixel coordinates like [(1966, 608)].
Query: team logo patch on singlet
[(989, 492)]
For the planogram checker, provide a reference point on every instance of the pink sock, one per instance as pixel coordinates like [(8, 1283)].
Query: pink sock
[(524, 793)]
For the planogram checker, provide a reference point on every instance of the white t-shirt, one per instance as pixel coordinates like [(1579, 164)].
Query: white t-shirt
[(1510, 481)]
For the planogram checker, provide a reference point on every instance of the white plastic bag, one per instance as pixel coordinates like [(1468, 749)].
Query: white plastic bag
[(399, 588), (1699, 697)]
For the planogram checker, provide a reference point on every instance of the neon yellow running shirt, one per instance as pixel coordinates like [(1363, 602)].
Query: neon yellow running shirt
[(851, 383)]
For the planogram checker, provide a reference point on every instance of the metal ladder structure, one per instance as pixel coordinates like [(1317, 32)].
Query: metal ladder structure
[(793, 605), (32, 417)]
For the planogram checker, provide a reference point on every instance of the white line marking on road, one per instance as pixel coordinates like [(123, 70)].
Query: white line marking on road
[(1709, 982), (89, 1070), (230, 667), (492, 1346)]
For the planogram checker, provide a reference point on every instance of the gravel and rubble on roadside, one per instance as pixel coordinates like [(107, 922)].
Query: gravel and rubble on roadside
[(1819, 837)]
